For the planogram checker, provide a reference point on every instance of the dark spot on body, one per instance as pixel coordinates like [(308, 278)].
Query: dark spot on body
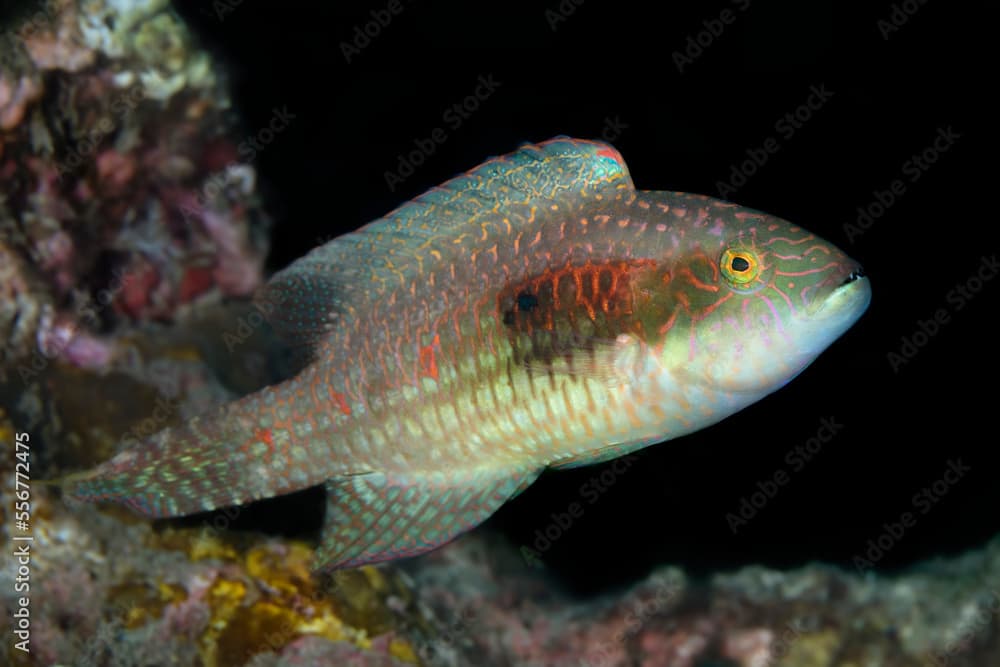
[(526, 302)]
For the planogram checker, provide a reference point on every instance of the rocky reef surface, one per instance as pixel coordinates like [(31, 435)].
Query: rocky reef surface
[(131, 235), (939, 613), (123, 196)]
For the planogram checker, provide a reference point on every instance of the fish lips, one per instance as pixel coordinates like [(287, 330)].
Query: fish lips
[(848, 294)]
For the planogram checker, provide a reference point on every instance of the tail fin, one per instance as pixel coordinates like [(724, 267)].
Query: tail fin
[(225, 457)]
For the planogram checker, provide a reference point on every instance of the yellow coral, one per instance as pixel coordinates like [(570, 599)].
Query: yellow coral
[(281, 600), (6, 428), (257, 628), (815, 649), (141, 603), (402, 650), (287, 570), (225, 598), (270, 596), (208, 544)]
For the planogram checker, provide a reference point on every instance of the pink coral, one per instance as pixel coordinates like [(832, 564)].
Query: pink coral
[(749, 648), (15, 98), (115, 172)]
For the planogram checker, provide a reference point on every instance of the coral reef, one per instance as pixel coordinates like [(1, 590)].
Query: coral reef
[(123, 198), (940, 613)]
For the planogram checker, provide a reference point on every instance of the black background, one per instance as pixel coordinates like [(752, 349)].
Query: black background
[(325, 175)]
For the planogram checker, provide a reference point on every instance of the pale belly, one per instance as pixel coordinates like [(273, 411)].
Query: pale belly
[(494, 413)]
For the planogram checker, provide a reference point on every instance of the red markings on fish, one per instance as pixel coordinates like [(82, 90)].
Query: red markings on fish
[(609, 152), (263, 435), (340, 400), (590, 290), (427, 360)]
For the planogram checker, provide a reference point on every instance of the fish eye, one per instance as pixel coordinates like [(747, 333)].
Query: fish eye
[(739, 266)]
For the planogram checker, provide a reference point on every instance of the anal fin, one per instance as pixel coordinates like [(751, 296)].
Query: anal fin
[(377, 517)]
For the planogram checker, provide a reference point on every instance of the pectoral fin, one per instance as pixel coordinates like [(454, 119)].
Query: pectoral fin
[(376, 517)]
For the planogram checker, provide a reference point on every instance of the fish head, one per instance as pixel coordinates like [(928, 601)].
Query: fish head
[(750, 300)]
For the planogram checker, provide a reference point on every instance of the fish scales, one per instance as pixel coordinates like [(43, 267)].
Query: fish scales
[(537, 311)]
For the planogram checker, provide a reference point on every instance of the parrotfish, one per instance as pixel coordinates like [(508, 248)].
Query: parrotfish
[(536, 312)]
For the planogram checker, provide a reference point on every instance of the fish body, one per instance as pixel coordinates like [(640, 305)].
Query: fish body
[(535, 312)]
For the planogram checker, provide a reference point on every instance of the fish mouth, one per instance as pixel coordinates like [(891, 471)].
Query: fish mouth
[(849, 299), (856, 274), (846, 300)]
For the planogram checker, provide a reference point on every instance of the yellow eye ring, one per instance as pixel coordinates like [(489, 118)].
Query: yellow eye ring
[(739, 266)]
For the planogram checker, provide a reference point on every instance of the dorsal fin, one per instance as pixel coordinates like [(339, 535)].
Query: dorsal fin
[(352, 271)]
